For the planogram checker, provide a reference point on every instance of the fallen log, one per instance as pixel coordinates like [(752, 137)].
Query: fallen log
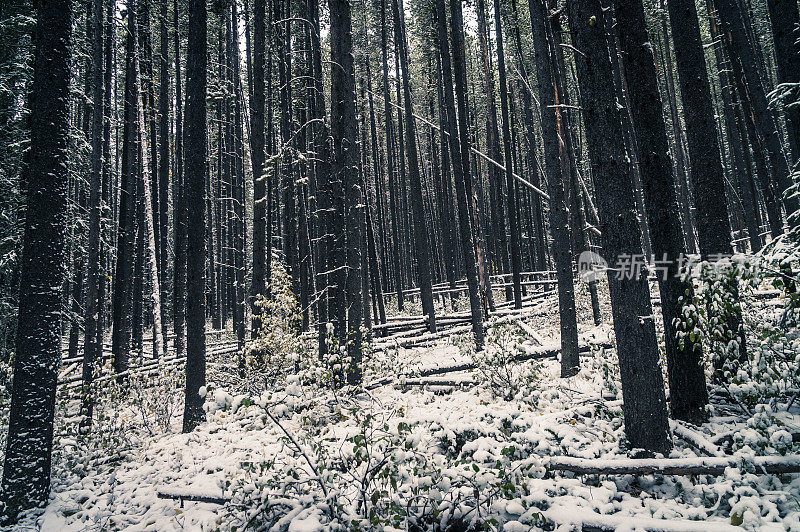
[(672, 466), (166, 493), (695, 439), (591, 521), (437, 382)]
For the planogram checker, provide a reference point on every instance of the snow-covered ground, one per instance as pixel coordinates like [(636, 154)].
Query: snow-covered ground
[(470, 449)]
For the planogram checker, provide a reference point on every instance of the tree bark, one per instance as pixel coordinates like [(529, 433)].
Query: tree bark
[(511, 194), (713, 227), (26, 471), (784, 17), (460, 177), (344, 129), (687, 384), (123, 277), (556, 165), (741, 46), (420, 227), (257, 158), (646, 423), (195, 172), (179, 209)]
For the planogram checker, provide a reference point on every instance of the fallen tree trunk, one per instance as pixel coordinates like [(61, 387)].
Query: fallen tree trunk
[(672, 466), (591, 521), (191, 497)]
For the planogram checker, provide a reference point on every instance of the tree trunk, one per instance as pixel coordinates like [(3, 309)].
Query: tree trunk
[(257, 158), (646, 423), (420, 227), (704, 154), (123, 277), (26, 471), (344, 130), (163, 159), (462, 195), (511, 195), (742, 47), (179, 208), (556, 165), (393, 203), (195, 173), (149, 219), (687, 384), (784, 17)]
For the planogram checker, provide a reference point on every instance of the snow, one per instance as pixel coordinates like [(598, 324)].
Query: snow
[(298, 455)]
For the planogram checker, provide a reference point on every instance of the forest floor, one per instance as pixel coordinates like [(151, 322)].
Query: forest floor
[(449, 451)]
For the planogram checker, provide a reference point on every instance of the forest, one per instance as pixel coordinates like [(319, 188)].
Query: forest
[(400, 265)]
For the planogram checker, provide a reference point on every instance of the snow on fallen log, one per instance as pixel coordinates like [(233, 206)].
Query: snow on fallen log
[(531, 353), (529, 331), (455, 383), (695, 439), (672, 466), (191, 495), (589, 520)]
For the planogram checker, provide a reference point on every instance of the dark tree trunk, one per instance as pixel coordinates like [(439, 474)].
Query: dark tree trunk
[(322, 171), (536, 241), (123, 278), (420, 227), (448, 212), (257, 159), (179, 209), (498, 231), (556, 165), (163, 159), (462, 195), (513, 223), (682, 170), (393, 203), (26, 471), (92, 345), (459, 70), (107, 175), (344, 130), (646, 423), (737, 136), (704, 154), (784, 17), (375, 262), (195, 173), (743, 48), (238, 182), (687, 384)]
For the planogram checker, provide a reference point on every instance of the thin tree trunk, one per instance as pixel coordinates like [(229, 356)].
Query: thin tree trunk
[(420, 227), (180, 211), (462, 195), (123, 278), (733, 26), (257, 158), (556, 166), (344, 128), (784, 17), (163, 159), (92, 344), (516, 259), (149, 220)]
